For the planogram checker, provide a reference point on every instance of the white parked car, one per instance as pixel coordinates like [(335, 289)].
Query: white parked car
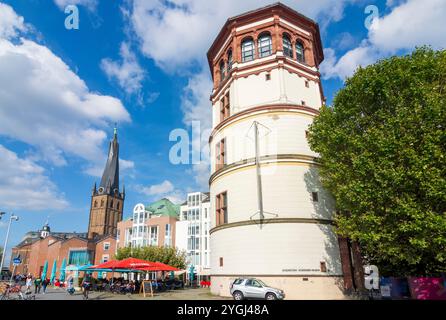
[(250, 288)]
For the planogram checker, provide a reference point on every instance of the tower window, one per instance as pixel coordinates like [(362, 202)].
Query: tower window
[(307, 134), (220, 153), (307, 83), (315, 196), (265, 45), (247, 50), (287, 47), (222, 70), (95, 204), (225, 107), (221, 205), (117, 205), (102, 203), (303, 102), (300, 56), (229, 60), (111, 204)]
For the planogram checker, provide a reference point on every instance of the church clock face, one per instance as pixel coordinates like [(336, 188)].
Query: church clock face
[(101, 190)]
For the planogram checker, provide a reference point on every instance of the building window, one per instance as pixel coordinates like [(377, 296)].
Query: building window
[(111, 204), (229, 60), (154, 235), (105, 258), (168, 236), (225, 107), (307, 134), (315, 196), (247, 50), (265, 45), (95, 204), (287, 47), (106, 246), (222, 70), (117, 205), (268, 76), (303, 103), (221, 261), (323, 266), (220, 153), (102, 203), (307, 83), (300, 56), (221, 205)]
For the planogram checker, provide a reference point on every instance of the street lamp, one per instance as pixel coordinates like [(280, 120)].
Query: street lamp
[(15, 218)]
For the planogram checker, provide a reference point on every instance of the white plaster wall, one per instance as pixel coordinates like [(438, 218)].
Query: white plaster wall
[(276, 249), (280, 133), (286, 191), (181, 234)]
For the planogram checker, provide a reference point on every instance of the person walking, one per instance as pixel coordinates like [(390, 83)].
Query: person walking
[(86, 284), (37, 285), (45, 284)]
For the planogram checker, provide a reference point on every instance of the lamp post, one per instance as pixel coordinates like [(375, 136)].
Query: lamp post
[(15, 218)]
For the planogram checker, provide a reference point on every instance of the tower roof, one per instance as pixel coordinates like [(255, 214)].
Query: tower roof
[(262, 13), (110, 177)]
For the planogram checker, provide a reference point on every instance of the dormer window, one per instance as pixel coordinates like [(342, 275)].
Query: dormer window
[(247, 50), (265, 45), (287, 47), (222, 70), (229, 60), (300, 56)]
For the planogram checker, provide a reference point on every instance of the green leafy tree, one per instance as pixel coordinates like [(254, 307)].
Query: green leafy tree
[(167, 255), (382, 147)]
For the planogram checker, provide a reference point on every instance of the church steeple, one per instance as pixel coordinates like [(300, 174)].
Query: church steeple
[(107, 202), (110, 177)]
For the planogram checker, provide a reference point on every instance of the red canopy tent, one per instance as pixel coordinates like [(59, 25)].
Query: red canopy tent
[(158, 266)]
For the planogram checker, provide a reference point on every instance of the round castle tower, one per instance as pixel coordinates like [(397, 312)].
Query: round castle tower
[(271, 219)]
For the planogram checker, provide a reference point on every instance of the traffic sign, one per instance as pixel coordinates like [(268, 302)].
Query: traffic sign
[(16, 261)]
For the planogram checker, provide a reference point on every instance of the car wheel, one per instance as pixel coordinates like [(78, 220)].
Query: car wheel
[(238, 295), (271, 296)]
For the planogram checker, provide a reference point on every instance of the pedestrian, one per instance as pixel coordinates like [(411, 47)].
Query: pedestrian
[(37, 285), (29, 282), (45, 284)]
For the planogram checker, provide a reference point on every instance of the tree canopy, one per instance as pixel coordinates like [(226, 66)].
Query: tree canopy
[(382, 148), (167, 255)]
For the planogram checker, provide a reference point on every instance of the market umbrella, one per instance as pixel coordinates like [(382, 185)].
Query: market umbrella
[(62, 270), (53, 272), (44, 271), (133, 263), (158, 266)]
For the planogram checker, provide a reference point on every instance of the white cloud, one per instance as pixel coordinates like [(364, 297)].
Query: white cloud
[(404, 28), (128, 73), (24, 185), (178, 33), (89, 4), (46, 105), (163, 190), (10, 23)]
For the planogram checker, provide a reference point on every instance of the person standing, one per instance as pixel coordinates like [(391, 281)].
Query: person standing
[(37, 285), (29, 283), (45, 284)]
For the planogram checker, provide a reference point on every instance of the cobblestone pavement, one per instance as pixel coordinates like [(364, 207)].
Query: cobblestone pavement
[(185, 294)]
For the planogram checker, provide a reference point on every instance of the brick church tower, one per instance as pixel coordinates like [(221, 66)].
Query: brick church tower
[(107, 202)]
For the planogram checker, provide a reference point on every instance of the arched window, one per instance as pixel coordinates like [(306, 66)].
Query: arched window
[(102, 203), (247, 50), (300, 56), (111, 204), (287, 47), (265, 45), (95, 203), (222, 70), (229, 60), (117, 205)]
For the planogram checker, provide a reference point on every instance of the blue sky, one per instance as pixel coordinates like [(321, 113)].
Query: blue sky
[(142, 64)]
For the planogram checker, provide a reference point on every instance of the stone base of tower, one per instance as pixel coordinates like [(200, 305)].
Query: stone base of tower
[(295, 287)]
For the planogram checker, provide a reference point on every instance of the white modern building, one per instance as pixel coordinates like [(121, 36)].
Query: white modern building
[(270, 217), (192, 233)]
